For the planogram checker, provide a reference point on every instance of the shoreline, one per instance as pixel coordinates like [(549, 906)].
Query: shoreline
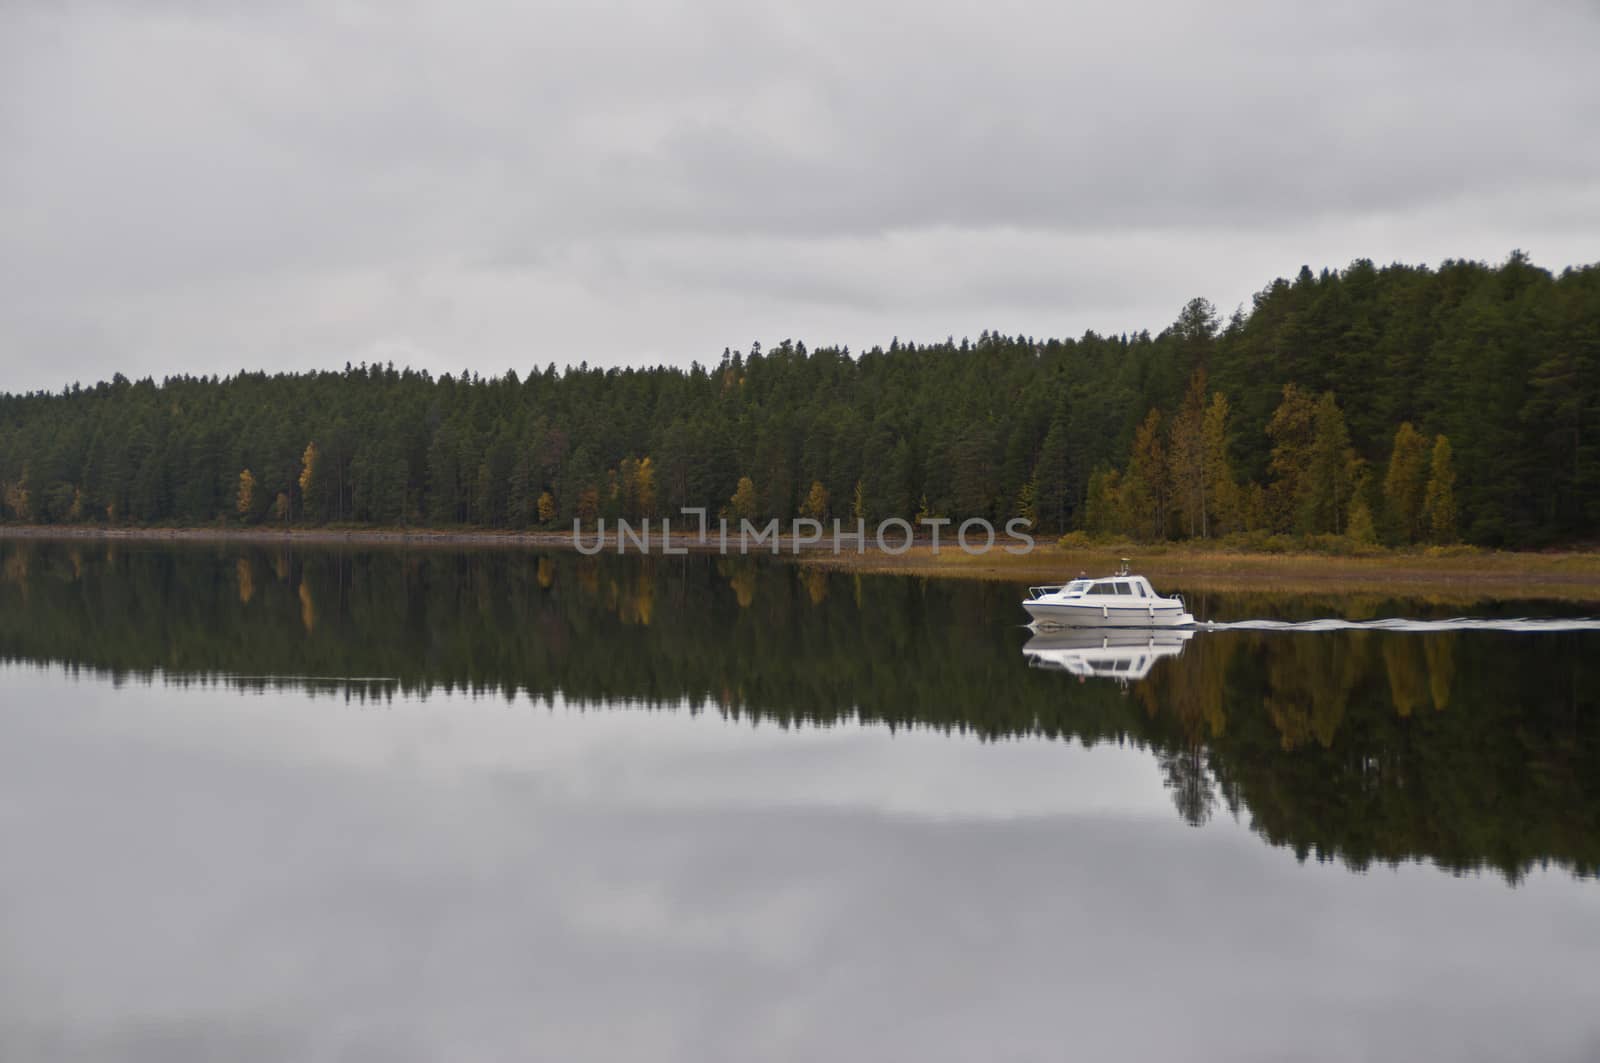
[(1464, 575), (1461, 577)]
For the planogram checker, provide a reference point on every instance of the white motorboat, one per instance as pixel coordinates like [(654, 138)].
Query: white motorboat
[(1123, 654), (1120, 600)]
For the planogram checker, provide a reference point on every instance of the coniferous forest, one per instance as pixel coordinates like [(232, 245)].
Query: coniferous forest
[(1396, 405)]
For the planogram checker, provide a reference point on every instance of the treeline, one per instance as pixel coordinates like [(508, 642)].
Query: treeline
[(1400, 404)]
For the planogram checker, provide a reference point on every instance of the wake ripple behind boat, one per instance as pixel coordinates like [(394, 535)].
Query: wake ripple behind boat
[(1460, 623)]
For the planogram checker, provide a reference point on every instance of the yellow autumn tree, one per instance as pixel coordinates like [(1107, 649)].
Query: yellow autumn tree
[(308, 477), (547, 507), (589, 504), (246, 503), (635, 488), (1145, 487), (17, 500), (1360, 528), (1404, 485), (744, 505), (644, 488), (816, 504), (1439, 501)]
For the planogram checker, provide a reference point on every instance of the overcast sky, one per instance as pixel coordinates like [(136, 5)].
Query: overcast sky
[(204, 187)]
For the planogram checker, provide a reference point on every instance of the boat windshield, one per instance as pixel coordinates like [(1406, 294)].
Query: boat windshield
[(1077, 586)]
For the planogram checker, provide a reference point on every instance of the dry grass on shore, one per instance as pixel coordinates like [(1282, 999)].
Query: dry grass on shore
[(1455, 573)]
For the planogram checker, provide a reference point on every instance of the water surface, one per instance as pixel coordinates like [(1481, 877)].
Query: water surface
[(263, 804)]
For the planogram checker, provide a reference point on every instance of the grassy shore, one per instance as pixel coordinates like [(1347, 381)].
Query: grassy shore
[(1455, 574)]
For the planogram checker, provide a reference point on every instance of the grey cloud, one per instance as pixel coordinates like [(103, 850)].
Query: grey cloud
[(193, 186)]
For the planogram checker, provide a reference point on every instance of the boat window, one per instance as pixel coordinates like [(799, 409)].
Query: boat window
[(1123, 588), (1077, 586), (1102, 588)]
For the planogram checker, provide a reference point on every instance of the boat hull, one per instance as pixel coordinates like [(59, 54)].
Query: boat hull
[(1071, 614)]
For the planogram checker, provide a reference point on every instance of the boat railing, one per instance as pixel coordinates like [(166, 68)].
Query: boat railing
[(1040, 592)]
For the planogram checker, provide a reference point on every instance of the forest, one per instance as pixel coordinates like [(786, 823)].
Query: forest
[(1395, 405)]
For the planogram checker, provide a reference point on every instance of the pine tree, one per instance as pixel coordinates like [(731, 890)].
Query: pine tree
[(1292, 429), (1026, 507), (1104, 512), (1187, 458), (1331, 471), (520, 490), (1052, 503), (1222, 490)]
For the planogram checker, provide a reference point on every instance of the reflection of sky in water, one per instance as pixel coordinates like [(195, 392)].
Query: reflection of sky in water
[(201, 874)]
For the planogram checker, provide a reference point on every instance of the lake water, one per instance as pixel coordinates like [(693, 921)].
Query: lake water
[(412, 805)]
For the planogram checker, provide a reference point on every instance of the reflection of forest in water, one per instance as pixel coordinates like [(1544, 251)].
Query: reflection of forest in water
[(1468, 749)]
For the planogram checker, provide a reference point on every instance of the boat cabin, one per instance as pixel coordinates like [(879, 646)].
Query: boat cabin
[(1113, 587), (1123, 586)]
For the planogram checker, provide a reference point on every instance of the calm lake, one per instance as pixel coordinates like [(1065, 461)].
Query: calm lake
[(313, 804)]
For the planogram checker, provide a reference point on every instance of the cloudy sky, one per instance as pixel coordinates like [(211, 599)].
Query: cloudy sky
[(205, 187)]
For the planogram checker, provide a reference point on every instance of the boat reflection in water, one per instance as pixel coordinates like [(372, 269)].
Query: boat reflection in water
[(1125, 655)]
